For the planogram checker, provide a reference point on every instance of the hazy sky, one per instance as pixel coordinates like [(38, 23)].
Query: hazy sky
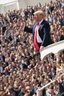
[(5, 1)]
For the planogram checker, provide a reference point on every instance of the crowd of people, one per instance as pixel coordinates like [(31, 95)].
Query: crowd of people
[(22, 72)]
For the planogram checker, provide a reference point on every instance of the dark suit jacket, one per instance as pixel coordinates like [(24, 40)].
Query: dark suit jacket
[(44, 32)]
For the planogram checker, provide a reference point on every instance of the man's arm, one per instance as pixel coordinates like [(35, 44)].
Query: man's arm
[(27, 29), (46, 35)]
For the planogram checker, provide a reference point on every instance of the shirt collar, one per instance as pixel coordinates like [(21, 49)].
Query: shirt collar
[(40, 21)]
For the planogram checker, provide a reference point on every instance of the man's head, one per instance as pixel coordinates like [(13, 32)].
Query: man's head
[(38, 15)]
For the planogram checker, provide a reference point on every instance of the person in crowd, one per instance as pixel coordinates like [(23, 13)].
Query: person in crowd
[(40, 30)]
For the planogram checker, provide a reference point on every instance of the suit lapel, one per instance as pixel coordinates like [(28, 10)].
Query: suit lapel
[(41, 24), (34, 25)]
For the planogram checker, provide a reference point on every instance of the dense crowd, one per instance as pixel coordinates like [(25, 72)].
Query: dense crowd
[(21, 70)]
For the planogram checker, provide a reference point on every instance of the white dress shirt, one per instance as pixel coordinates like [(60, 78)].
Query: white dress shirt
[(39, 40)]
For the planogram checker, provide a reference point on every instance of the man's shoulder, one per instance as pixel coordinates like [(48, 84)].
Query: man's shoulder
[(45, 22)]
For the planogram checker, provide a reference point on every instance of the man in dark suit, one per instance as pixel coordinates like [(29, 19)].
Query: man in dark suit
[(43, 30)]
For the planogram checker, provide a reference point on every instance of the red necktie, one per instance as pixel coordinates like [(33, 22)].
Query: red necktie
[(35, 37)]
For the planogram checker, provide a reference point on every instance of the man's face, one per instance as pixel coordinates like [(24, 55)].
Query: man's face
[(37, 17)]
